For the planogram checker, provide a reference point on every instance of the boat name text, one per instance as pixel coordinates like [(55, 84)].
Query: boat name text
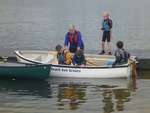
[(66, 70)]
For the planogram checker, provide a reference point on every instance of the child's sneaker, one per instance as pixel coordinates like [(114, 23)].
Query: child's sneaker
[(102, 52), (109, 53)]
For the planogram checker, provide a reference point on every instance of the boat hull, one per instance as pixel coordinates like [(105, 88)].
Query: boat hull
[(122, 71), (90, 72), (24, 71)]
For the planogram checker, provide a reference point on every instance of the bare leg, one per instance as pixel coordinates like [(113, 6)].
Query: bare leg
[(103, 46), (109, 46)]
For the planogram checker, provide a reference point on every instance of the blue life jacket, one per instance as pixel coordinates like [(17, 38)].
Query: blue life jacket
[(61, 59), (107, 25)]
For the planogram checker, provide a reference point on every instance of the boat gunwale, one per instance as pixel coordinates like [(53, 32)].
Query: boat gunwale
[(22, 57), (70, 66)]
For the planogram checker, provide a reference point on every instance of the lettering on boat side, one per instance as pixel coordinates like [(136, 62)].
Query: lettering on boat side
[(73, 70), (65, 70)]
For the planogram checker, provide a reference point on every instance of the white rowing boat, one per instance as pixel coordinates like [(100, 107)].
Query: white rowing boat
[(97, 69), (34, 56)]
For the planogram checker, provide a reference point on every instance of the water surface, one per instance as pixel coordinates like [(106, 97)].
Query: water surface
[(74, 96)]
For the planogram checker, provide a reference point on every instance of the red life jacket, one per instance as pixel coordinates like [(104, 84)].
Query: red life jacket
[(73, 38)]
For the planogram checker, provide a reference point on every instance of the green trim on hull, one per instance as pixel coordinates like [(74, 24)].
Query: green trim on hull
[(25, 71)]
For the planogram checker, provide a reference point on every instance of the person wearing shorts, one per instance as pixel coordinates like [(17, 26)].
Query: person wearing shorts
[(106, 29)]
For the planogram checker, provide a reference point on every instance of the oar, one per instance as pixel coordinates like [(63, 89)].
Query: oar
[(134, 71), (133, 66), (101, 59), (91, 63)]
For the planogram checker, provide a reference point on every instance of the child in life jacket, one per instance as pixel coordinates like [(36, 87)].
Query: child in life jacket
[(79, 58), (63, 56)]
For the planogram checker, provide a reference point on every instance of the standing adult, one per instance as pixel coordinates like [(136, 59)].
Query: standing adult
[(73, 40), (107, 32)]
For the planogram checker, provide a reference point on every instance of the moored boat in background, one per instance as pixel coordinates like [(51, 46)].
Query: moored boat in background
[(24, 71)]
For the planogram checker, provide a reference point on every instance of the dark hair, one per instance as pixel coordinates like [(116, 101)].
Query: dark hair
[(58, 47), (79, 52), (120, 44)]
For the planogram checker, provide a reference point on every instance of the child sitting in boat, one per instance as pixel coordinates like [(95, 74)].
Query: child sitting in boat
[(121, 55), (63, 56), (79, 58)]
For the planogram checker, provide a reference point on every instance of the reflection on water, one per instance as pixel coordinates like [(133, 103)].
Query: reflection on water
[(114, 99), (57, 95), (121, 96), (71, 95), (25, 88)]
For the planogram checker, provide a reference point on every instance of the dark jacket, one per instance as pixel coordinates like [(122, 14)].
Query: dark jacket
[(122, 56), (79, 60)]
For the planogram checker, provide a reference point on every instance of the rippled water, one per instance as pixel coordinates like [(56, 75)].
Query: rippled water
[(58, 95)]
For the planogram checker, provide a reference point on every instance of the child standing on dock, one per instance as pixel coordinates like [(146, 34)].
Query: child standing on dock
[(107, 32)]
